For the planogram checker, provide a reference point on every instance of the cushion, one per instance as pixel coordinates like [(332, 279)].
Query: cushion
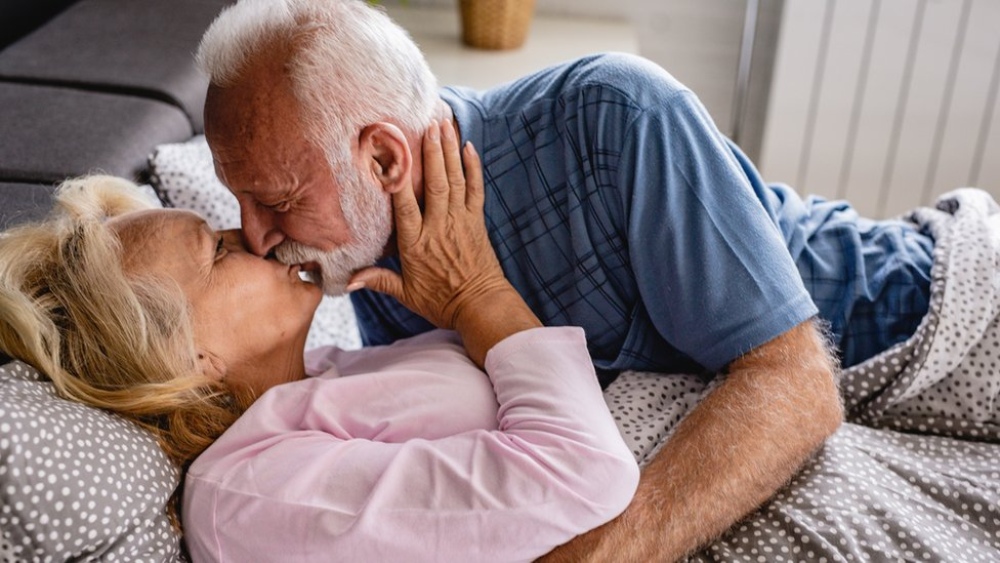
[(184, 177), (78, 483), (50, 134), (141, 48), (20, 17), (21, 202)]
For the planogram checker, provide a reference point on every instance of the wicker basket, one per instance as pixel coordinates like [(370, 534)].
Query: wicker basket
[(496, 24)]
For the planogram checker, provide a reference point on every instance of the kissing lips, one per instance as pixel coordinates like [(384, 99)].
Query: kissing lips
[(309, 272)]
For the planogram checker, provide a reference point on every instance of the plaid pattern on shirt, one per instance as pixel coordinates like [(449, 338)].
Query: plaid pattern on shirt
[(615, 204)]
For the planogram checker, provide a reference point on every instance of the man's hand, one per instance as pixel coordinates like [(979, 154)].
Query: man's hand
[(727, 457)]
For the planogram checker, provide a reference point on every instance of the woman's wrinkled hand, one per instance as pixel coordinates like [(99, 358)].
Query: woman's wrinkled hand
[(448, 265)]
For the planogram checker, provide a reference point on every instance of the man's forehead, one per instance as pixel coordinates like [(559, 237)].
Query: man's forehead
[(224, 153), (240, 141), (231, 115), (251, 176), (262, 93), (250, 128)]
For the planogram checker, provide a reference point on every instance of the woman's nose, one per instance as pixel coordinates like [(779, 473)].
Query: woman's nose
[(233, 239)]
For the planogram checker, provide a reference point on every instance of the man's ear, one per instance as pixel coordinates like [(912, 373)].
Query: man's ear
[(386, 153), (211, 366)]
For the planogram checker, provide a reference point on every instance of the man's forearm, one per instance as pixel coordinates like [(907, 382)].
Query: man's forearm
[(729, 455)]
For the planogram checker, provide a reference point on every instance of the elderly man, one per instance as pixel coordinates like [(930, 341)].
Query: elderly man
[(613, 203)]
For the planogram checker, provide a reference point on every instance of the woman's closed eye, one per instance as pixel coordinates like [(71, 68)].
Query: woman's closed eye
[(228, 241)]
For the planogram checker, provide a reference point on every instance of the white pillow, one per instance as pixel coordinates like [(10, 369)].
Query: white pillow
[(184, 177)]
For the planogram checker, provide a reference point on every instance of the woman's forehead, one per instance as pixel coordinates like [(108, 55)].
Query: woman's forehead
[(141, 223), (148, 233)]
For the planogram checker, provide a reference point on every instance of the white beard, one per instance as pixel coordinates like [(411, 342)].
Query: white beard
[(368, 213)]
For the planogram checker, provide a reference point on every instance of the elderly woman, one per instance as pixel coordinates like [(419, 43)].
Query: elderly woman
[(492, 442)]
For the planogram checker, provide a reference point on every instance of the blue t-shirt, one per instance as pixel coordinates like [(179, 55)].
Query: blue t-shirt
[(615, 204)]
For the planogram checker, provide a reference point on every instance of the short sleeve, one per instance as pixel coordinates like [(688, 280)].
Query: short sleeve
[(712, 268)]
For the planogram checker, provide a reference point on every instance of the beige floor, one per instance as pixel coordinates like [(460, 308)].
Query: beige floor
[(552, 39)]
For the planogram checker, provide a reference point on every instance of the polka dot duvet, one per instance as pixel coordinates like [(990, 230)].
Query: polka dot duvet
[(77, 483)]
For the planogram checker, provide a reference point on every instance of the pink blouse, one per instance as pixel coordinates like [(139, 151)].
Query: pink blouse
[(409, 452)]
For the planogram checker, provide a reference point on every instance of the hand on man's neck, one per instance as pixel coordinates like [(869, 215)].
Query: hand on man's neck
[(416, 142), (441, 113)]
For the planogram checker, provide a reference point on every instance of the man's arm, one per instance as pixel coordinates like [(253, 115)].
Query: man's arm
[(728, 456)]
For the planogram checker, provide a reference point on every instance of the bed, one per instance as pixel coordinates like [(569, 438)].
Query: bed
[(895, 483), (870, 494)]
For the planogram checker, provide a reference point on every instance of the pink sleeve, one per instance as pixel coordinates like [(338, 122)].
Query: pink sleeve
[(556, 467)]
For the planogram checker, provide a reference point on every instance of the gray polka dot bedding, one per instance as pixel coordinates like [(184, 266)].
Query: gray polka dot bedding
[(914, 475), (77, 483)]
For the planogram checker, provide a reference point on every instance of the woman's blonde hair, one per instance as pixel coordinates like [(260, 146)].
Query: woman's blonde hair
[(105, 337)]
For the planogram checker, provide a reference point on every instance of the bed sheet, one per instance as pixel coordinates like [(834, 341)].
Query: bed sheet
[(870, 494)]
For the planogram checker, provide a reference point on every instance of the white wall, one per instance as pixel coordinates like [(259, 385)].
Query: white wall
[(886, 103), (700, 42)]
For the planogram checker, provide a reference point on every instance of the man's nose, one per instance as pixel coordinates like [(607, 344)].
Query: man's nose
[(261, 231)]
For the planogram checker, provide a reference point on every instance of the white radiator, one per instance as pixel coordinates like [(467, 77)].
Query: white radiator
[(886, 103)]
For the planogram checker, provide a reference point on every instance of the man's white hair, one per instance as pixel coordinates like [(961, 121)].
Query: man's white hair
[(349, 64)]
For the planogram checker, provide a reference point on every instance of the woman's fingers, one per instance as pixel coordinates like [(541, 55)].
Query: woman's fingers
[(445, 253), (435, 176), (474, 190), (409, 221), (378, 279), (453, 163)]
